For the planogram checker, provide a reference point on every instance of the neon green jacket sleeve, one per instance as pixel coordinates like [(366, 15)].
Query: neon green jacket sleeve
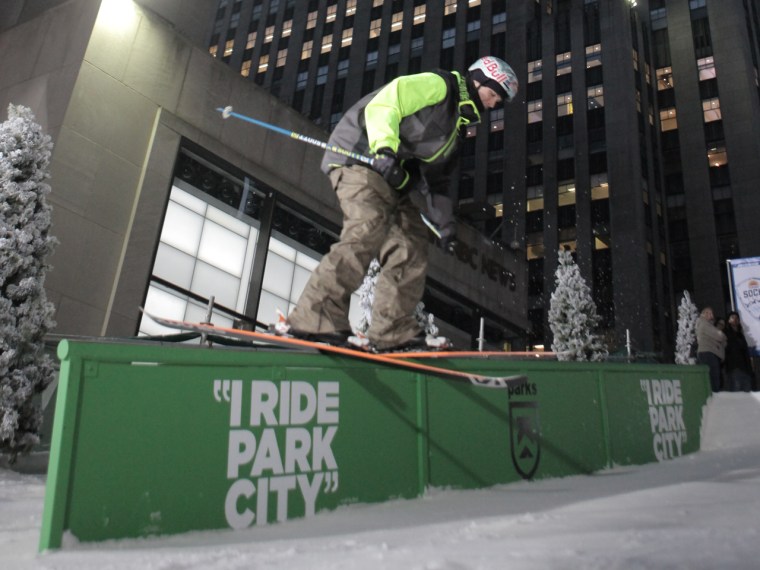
[(401, 98)]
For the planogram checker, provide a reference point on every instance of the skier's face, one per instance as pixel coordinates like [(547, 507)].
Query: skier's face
[(490, 98)]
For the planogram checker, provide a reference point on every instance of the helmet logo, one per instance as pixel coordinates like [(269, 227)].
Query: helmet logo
[(493, 68)]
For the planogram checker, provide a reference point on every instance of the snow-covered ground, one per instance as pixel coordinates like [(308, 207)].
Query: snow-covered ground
[(697, 512)]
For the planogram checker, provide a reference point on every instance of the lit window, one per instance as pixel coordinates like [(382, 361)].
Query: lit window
[(397, 21), (245, 69), (347, 37), (668, 120), (419, 15), (228, 46), (450, 7), (350, 7), (635, 60), (263, 63), (331, 13), (535, 111), (563, 63), (566, 194), (647, 73), (535, 71), (376, 3), (472, 131), (213, 50), (311, 20), (595, 96), (251, 40), (706, 67), (374, 27), (564, 104), (473, 3), (711, 110), (664, 78), (269, 34), (282, 55), (326, 43), (593, 55), (717, 156), (287, 28), (535, 195), (306, 50)]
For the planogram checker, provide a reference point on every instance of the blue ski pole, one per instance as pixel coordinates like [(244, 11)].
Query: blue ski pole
[(227, 112)]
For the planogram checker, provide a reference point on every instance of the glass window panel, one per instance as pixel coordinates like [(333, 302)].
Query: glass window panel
[(188, 201), (282, 249), (210, 282), (182, 228), (174, 266), (229, 222), (222, 248), (306, 261), (278, 275), (160, 302), (300, 277), (269, 304)]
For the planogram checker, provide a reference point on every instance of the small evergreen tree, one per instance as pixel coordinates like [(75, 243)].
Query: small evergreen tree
[(25, 244), (572, 315), (686, 335), (367, 298)]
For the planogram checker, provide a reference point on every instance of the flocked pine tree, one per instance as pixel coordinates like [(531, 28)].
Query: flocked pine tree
[(572, 315), (25, 244), (686, 335), (367, 298)]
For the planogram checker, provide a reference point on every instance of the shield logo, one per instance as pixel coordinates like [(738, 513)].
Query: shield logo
[(525, 440)]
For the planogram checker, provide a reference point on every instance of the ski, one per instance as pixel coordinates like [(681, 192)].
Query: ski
[(473, 378), (473, 354)]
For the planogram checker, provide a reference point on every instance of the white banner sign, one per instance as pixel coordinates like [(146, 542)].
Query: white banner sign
[(744, 276)]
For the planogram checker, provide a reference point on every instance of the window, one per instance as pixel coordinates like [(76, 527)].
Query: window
[(593, 56), (535, 111), (563, 63), (213, 50), (287, 28), (311, 20), (668, 121), (595, 96), (306, 49), (711, 110), (717, 156), (535, 69), (564, 104), (331, 13), (374, 28), (269, 34), (263, 63), (706, 67), (448, 38), (326, 43), (347, 37), (251, 40), (301, 80), (496, 116), (228, 47), (566, 194), (600, 188), (419, 15), (282, 55), (397, 21), (664, 78), (350, 7), (245, 68), (450, 7), (535, 201)]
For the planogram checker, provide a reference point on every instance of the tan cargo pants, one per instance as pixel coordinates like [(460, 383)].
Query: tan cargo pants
[(378, 222)]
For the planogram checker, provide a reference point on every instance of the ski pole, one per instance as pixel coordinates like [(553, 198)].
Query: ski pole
[(227, 112)]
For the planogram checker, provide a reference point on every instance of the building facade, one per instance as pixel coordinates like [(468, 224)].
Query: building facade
[(632, 140), (158, 202)]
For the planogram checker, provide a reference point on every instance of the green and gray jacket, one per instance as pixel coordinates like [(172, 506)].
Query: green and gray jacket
[(417, 116)]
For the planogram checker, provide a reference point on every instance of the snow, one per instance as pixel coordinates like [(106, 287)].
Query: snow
[(696, 512)]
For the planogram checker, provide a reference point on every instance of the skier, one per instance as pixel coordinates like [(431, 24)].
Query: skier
[(412, 128)]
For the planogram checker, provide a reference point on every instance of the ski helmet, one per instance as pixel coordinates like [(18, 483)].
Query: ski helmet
[(496, 74)]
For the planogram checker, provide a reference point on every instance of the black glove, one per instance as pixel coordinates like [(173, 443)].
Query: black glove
[(387, 165)]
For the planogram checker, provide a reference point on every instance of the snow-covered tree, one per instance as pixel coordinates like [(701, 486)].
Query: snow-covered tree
[(367, 298), (686, 335), (25, 244), (572, 315)]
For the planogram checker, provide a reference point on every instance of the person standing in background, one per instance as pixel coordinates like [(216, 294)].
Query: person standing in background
[(738, 366), (711, 346)]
